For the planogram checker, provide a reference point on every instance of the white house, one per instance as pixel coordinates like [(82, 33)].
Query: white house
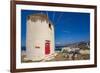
[(39, 37), (68, 49)]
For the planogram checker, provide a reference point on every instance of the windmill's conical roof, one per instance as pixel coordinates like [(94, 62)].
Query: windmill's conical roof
[(35, 17)]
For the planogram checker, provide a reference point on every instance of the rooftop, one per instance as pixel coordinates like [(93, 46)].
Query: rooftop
[(35, 17)]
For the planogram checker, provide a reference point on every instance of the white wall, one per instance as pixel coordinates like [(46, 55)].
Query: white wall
[(5, 36)]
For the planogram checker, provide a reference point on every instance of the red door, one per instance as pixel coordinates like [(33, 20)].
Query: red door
[(47, 47)]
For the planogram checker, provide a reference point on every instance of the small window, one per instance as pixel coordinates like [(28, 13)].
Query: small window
[(50, 26)]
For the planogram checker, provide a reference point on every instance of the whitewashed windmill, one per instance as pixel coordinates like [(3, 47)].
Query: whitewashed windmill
[(39, 37)]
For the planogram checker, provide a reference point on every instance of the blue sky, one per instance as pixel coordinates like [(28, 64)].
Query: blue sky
[(70, 27)]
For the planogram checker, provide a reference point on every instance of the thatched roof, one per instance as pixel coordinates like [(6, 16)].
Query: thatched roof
[(35, 17)]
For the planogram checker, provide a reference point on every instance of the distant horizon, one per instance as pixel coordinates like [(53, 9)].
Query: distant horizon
[(69, 27), (67, 43)]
